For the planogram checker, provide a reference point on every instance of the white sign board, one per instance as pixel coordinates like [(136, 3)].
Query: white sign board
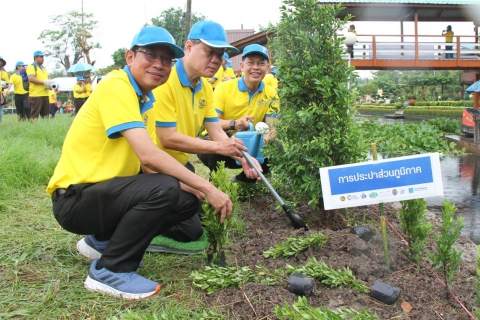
[(387, 180)]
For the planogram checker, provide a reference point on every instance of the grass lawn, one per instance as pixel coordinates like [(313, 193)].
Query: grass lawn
[(41, 273)]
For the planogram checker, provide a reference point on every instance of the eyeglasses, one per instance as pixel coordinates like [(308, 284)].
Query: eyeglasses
[(153, 57)]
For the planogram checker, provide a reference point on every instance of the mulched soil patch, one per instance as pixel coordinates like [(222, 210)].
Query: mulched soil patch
[(267, 226)]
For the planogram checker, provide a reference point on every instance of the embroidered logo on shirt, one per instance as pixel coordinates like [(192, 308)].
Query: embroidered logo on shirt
[(260, 102), (202, 103)]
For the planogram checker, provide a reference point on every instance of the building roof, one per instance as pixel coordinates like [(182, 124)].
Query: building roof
[(404, 10)]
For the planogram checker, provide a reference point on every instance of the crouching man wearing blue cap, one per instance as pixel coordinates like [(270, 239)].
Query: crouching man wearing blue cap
[(96, 189), (185, 103), (243, 100)]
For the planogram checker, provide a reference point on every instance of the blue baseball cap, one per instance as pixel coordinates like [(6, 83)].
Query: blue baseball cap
[(152, 35), (38, 53), (99, 77), (80, 78), (212, 34), (255, 48), (229, 63), (19, 63), (3, 60)]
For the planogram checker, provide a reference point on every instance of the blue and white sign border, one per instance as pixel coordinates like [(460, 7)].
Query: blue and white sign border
[(387, 180)]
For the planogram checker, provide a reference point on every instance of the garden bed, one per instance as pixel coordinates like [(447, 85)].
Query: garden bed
[(266, 227)]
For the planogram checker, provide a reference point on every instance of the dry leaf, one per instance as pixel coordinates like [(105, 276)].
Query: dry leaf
[(406, 307)]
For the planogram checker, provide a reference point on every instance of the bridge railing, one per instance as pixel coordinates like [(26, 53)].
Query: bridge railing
[(395, 47)]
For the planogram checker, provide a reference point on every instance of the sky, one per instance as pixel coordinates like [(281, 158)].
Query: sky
[(120, 20)]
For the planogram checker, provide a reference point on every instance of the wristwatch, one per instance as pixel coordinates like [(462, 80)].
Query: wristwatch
[(232, 124)]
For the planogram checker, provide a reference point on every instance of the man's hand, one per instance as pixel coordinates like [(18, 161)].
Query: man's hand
[(250, 172), (230, 147), (221, 203), (226, 78), (242, 124)]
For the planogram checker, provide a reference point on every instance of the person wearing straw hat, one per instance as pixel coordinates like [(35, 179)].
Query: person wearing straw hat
[(243, 100), (96, 189), (185, 103), (20, 94)]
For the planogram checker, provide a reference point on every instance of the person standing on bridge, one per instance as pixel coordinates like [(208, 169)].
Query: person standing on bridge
[(449, 39)]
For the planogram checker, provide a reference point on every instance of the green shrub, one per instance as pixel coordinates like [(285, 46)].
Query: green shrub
[(316, 124), (447, 258), (415, 226)]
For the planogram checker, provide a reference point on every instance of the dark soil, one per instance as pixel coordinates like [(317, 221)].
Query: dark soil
[(266, 227)]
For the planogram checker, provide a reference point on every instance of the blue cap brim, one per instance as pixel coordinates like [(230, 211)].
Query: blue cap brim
[(220, 45), (177, 51)]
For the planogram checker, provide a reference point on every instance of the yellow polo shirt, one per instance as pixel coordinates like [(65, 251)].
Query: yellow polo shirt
[(17, 81), (229, 73), (52, 96), (233, 100), (448, 36), (4, 77), (94, 149), (270, 80), (76, 94), (89, 89), (41, 73), (183, 106), (219, 76)]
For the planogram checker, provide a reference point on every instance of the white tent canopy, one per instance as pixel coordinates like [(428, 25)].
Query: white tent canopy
[(67, 83)]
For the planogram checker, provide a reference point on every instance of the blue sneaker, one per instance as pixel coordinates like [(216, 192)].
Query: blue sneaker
[(91, 248), (125, 285)]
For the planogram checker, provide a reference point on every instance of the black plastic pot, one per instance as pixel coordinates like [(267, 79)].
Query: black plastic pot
[(384, 292), (301, 285)]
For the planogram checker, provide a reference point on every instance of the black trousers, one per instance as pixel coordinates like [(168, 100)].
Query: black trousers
[(449, 55), (78, 103), (128, 211), (23, 106)]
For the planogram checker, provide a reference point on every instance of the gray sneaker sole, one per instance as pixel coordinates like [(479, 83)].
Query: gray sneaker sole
[(94, 285), (87, 251)]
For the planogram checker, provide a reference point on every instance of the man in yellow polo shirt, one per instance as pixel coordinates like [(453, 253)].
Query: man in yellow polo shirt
[(5, 88), (79, 94), (243, 100), (185, 103), (52, 99), (448, 39), (38, 92), (96, 189), (21, 95)]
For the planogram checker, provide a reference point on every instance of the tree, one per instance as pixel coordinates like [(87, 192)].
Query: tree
[(119, 57), (174, 21), (72, 40)]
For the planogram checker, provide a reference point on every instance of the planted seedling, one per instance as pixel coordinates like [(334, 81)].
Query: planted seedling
[(329, 276), (302, 310), (294, 245), (415, 226), (447, 258), (217, 232)]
